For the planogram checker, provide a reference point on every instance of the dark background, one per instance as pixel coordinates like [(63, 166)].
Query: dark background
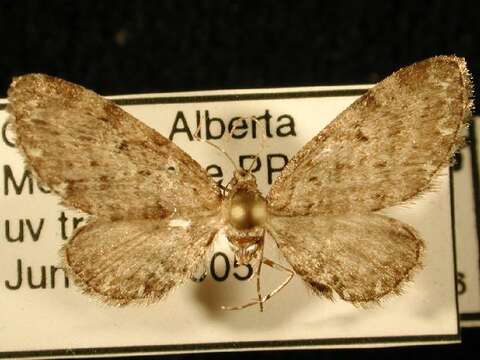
[(118, 47)]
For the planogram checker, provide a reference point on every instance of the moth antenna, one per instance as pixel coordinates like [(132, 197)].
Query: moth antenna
[(230, 133), (228, 187), (263, 142), (197, 137)]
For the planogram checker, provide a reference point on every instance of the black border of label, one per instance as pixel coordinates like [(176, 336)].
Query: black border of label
[(253, 345), (472, 137)]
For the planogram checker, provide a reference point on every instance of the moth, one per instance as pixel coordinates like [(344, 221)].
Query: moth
[(155, 212)]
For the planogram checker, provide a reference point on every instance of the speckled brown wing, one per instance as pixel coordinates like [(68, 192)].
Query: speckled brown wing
[(99, 158), (362, 257), (385, 148), (137, 261)]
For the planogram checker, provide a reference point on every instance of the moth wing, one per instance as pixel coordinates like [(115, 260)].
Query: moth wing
[(137, 261), (362, 257), (385, 148), (99, 158)]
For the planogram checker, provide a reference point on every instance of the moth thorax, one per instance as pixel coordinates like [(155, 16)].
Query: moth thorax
[(247, 209)]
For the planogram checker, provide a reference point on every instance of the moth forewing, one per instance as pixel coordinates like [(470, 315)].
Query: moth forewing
[(111, 165), (385, 148)]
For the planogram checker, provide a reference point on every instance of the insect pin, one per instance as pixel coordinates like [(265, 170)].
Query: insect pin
[(155, 212)]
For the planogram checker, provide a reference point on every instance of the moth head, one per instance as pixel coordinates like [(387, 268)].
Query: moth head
[(243, 176)]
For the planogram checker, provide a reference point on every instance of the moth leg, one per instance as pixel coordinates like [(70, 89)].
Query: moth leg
[(240, 307), (259, 300), (257, 274), (279, 267)]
